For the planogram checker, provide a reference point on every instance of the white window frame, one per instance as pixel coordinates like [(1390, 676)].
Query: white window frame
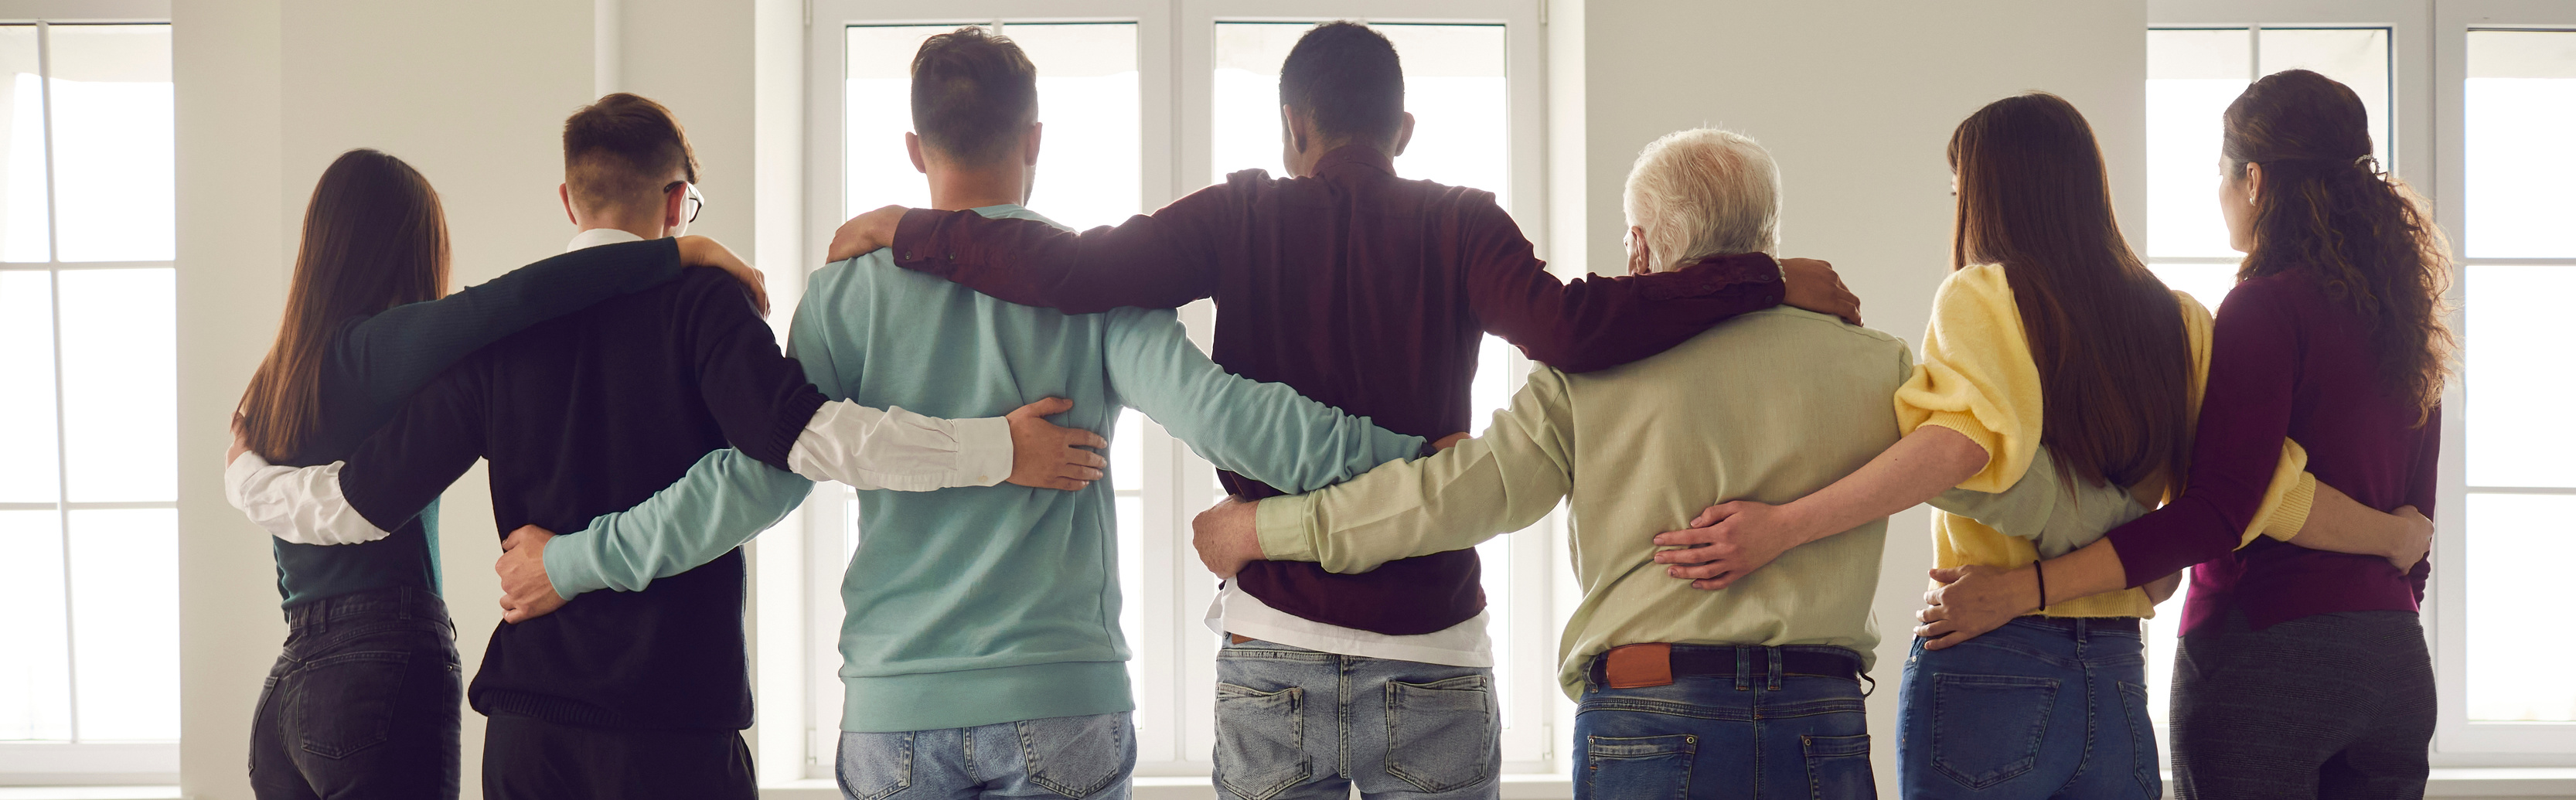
[(78, 762), (2428, 65), (1175, 695)]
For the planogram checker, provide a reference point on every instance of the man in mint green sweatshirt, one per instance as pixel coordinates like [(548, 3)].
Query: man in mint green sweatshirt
[(981, 652)]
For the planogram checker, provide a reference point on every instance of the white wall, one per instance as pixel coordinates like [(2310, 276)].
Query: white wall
[(1856, 101)]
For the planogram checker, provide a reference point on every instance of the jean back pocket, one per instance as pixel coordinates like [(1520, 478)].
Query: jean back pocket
[(2142, 739), (1987, 729), (1261, 740), (1637, 768), (1079, 756), (1441, 735), (343, 704), (874, 766), (1838, 767)]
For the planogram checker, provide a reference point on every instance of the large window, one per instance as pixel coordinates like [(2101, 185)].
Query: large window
[(2519, 233), (1143, 103), (2471, 102), (89, 685)]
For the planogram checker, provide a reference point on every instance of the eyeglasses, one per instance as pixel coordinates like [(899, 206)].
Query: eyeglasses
[(696, 202)]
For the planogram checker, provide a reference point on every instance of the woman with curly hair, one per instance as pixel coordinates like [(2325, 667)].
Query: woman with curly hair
[(2302, 671)]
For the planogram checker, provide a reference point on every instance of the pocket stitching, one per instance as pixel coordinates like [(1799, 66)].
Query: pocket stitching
[(1483, 766), (1294, 697), (2038, 728), (1684, 746), (1037, 766), (903, 776), (1808, 744), (382, 729), (2142, 738)]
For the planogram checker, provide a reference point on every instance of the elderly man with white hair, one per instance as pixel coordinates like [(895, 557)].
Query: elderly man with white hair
[(1752, 691)]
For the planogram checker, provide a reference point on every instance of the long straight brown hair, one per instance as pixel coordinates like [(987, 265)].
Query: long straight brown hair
[(2114, 365), (375, 237), (2326, 207)]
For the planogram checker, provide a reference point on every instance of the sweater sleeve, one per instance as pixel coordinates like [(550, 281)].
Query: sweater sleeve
[(1482, 488), (1265, 431), (1162, 260), (396, 352), (1596, 323), (2237, 447), (1977, 376), (726, 499), (759, 396), (403, 466)]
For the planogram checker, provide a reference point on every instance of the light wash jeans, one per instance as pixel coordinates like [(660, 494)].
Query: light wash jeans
[(1070, 757), (1296, 724)]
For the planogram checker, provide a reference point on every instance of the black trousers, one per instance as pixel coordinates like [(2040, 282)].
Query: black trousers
[(525, 758), (2327, 706), (363, 702)]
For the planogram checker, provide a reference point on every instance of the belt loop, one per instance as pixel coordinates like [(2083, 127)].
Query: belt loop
[(1743, 669), (1775, 667)]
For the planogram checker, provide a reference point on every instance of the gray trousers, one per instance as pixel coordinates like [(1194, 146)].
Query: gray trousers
[(2327, 706)]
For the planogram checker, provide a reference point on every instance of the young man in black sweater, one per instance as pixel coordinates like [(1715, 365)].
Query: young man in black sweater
[(641, 693)]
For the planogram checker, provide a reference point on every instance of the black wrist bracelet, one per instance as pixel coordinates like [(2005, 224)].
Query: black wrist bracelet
[(2036, 570)]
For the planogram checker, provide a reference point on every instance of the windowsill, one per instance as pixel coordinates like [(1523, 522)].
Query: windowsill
[(2447, 782), (1515, 787), (88, 792)]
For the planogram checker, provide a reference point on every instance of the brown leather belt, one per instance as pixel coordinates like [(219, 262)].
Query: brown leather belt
[(1637, 666)]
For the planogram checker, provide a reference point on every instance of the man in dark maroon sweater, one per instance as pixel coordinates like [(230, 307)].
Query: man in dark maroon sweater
[(1371, 293)]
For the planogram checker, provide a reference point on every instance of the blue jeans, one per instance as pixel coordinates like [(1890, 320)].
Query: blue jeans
[(1296, 724), (1742, 736), (363, 702), (2039, 708), (1069, 757)]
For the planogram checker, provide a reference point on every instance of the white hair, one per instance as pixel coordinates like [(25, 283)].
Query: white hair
[(1703, 192)]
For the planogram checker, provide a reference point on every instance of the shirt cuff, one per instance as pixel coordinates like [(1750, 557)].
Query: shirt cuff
[(984, 450), (900, 450), (298, 505), (572, 563), (237, 477), (1286, 526)]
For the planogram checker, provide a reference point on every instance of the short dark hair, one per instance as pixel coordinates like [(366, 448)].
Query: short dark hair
[(1348, 81), (973, 93), (621, 148)]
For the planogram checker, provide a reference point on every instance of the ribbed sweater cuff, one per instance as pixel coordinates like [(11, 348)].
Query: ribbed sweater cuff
[(2292, 514), (792, 419)]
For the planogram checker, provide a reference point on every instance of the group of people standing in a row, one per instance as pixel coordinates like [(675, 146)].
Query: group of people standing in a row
[(2085, 433)]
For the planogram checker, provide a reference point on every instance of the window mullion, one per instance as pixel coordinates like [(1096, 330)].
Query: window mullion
[(62, 445)]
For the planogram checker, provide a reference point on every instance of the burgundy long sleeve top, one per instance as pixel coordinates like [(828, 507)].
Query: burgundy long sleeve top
[(2288, 360), (1364, 291)]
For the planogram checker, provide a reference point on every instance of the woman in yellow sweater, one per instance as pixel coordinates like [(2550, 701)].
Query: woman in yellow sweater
[(2052, 355)]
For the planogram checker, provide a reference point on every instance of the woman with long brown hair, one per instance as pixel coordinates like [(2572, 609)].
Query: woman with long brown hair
[(2302, 671), (2054, 399), (364, 700)]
